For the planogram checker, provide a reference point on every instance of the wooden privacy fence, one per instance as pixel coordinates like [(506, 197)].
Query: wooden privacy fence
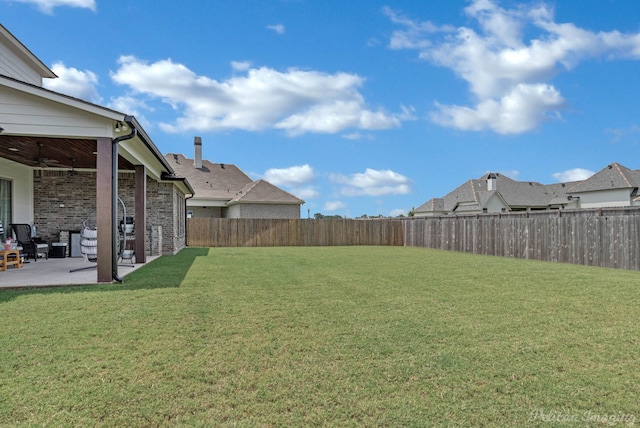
[(605, 237), (222, 232)]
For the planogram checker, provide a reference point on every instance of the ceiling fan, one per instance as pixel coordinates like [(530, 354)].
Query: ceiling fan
[(43, 162)]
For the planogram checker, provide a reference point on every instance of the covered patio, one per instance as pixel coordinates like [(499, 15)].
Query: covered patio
[(66, 161)]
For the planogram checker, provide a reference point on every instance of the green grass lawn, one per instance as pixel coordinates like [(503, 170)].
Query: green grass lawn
[(333, 336)]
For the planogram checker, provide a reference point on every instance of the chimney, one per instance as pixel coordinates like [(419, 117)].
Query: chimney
[(197, 145), (491, 182)]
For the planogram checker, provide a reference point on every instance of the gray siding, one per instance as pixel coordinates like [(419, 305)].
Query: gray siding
[(263, 211)]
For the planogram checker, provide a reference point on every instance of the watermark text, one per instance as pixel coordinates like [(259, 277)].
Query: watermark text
[(567, 417)]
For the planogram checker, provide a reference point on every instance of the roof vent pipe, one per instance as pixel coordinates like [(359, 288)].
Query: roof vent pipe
[(197, 146)]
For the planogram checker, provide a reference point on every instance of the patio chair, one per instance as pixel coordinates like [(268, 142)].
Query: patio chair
[(89, 242), (31, 247), (88, 245)]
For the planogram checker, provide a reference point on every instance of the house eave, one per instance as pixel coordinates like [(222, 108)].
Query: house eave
[(630, 188), (230, 203), (149, 143), (180, 181), (58, 97), (25, 53), (206, 202)]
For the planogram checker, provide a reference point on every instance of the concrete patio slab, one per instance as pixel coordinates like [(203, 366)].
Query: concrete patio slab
[(57, 272)]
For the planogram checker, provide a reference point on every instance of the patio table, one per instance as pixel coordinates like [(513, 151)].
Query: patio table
[(10, 258)]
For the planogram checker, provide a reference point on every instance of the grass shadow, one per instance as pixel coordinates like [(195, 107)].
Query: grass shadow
[(164, 272), (167, 271)]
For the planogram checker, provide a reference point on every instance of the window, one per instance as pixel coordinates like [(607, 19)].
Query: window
[(5, 207)]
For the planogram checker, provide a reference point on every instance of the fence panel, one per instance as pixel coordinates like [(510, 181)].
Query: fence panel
[(600, 237), (217, 232)]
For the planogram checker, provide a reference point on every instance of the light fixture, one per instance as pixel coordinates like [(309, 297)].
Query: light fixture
[(121, 126)]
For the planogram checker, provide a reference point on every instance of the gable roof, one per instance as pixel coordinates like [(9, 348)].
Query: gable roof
[(513, 193), (522, 193), (613, 176), (13, 65), (213, 181), (77, 120), (37, 112), (263, 192), (559, 193), (474, 194)]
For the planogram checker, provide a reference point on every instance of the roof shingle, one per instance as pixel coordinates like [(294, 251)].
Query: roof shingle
[(613, 176), (212, 181), (263, 192)]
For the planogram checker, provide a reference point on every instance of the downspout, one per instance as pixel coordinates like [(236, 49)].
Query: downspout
[(114, 196), (185, 220)]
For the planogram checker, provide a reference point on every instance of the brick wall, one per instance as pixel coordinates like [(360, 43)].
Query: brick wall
[(165, 208), (63, 202)]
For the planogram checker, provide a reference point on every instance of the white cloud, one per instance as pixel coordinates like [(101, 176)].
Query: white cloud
[(132, 106), (129, 105), (507, 73), (357, 136), (241, 65), (296, 178), (278, 28), (575, 174), (336, 115), (292, 176), (47, 6), (73, 82), (295, 101), (373, 183), (519, 111), (412, 35), (331, 206), (305, 193), (619, 133)]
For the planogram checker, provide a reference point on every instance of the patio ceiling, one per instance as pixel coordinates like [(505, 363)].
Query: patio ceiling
[(53, 152)]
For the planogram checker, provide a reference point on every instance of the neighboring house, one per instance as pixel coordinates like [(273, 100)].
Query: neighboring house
[(613, 186), (224, 191), (57, 158)]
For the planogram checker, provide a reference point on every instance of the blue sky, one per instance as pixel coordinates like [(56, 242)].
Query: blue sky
[(358, 107)]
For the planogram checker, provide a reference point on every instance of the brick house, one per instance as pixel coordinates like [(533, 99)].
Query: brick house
[(224, 191), (64, 161)]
